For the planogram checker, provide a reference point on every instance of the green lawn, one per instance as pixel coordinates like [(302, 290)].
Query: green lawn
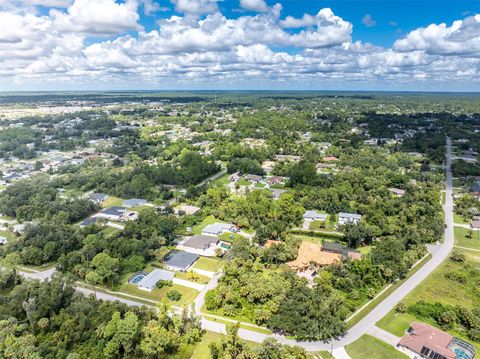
[(197, 229), (112, 201), (9, 235), (231, 237), (462, 240), (437, 288), (253, 328), (243, 182), (202, 351), (222, 181), (188, 294), (208, 264), (459, 219), (201, 279), (368, 347)]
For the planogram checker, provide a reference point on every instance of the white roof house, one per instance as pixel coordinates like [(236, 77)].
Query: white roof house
[(344, 218), (315, 216), (151, 279), (134, 202), (3, 240), (217, 229)]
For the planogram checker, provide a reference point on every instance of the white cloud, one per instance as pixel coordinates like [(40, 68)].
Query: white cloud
[(97, 17), (205, 47), (461, 38), (195, 7), (368, 20), (254, 5)]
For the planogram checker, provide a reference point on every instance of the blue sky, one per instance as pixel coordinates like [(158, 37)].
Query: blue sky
[(239, 44)]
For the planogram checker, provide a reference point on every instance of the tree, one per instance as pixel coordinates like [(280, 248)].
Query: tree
[(121, 334), (12, 260), (105, 267), (357, 234), (157, 340)]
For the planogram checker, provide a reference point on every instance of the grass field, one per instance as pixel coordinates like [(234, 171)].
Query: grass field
[(437, 288), (368, 347), (242, 325), (201, 279), (9, 235), (462, 240), (231, 237), (222, 181), (112, 201), (459, 219), (188, 294), (202, 351), (208, 264)]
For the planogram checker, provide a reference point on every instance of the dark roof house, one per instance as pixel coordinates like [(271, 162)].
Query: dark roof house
[(201, 241), (179, 260)]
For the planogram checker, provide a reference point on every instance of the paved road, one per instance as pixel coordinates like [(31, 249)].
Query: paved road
[(368, 322), (212, 178)]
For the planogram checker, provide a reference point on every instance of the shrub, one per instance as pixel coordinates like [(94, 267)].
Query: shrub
[(457, 277), (457, 256), (174, 295), (401, 308)]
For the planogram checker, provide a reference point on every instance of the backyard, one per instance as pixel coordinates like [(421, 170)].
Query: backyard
[(368, 347)]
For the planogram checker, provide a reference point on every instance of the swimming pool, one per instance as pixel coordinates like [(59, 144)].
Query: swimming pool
[(137, 277)]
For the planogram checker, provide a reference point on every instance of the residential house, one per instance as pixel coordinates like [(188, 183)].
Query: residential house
[(397, 191), (97, 197), (268, 166), (149, 282), (134, 202), (88, 221), (273, 180), (200, 244), (429, 342), (180, 260), (253, 178), (288, 158), (310, 216), (217, 229), (3, 240), (345, 252), (348, 218), (310, 257), (112, 213), (235, 177)]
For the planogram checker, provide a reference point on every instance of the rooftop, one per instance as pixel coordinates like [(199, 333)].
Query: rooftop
[(114, 211), (218, 228), (312, 253), (350, 215), (134, 202), (421, 337), (180, 260), (151, 279), (201, 241)]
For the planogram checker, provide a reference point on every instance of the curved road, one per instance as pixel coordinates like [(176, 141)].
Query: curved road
[(367, 324)]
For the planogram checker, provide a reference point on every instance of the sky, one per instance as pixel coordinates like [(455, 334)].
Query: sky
[(376, 45)]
